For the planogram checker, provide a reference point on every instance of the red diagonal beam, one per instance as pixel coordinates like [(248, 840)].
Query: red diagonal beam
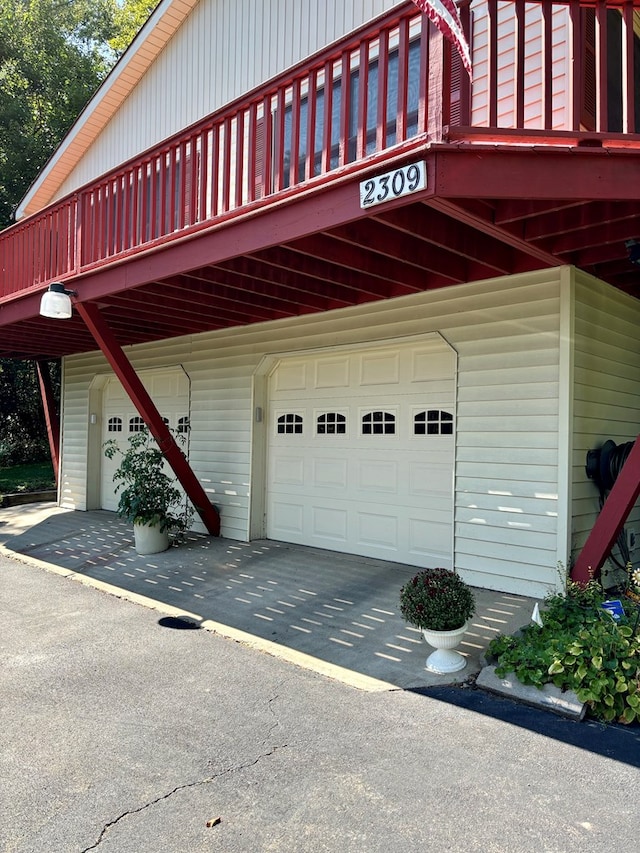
[(132, 384), (51, 415), (611, 519)]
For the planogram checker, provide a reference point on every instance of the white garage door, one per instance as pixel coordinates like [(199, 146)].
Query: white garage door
[(169, 390), (361, 451)]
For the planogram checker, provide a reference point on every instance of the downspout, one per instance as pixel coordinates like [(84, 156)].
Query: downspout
[(51, 414), (138, 394)]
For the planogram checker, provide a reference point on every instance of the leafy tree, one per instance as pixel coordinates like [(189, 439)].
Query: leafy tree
[(23, 436), (53, 56), (128, 17)]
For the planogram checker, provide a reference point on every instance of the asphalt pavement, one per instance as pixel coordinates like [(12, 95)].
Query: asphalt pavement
[(124, 735)]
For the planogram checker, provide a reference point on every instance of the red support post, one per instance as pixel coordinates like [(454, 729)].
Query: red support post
[(138, 394), (611, 519), (51, 414)]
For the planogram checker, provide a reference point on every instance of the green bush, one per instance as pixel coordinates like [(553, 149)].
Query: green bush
[(580, 647)]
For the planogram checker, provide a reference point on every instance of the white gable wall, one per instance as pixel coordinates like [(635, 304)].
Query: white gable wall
[(606, 402), (224, 49), (507, 336)]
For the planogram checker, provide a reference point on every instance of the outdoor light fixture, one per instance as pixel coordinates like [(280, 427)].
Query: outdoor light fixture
[(633, 248), (56, 302)]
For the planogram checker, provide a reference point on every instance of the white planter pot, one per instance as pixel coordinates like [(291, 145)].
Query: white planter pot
[(445, 659), (149, 539)]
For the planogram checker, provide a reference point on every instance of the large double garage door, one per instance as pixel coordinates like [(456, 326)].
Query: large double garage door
[(361, 451)]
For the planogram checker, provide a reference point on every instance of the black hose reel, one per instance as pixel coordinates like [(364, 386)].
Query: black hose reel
[(605, 463), (603, 466)]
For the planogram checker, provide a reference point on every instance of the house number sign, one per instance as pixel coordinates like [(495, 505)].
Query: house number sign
[(403, 181)]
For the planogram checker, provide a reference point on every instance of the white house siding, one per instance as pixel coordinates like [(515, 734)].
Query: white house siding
[(223, 49), (606, 396), (506, 334)]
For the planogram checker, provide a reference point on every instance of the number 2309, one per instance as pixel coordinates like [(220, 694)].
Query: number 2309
[(403, 181)]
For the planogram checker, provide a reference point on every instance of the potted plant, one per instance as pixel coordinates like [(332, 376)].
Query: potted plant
[(148, 496), (440, 603)]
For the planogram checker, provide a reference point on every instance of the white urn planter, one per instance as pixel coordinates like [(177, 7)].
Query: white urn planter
[(149, 539), (445, 659)]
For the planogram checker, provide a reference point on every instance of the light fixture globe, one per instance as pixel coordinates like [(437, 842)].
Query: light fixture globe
[(56, 302)]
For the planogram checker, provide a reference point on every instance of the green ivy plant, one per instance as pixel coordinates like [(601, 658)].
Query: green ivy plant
[(146, 493), (580, 647)]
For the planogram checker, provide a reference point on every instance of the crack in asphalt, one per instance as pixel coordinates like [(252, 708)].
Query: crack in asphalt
[(207, 781)]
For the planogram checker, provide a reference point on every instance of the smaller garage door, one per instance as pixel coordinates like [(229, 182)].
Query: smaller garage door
[(361, 451), (169, 390)]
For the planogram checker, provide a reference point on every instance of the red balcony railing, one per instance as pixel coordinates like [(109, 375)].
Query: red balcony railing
[(552, 70)]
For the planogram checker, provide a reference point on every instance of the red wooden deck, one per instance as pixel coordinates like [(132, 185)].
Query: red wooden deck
[(254, 213)]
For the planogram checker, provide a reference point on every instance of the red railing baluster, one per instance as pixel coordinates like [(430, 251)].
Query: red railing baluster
[(328, 111), (309, 166), (519, 62), (363, 101), (403, 76), (383, 89), (295, 134), (628, 76), (492, 61), (345, 107)]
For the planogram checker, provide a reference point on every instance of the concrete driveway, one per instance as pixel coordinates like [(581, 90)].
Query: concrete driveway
[(332, 613), (122, 736)]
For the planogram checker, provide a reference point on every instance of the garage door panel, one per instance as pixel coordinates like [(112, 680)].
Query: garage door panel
[(287, 519), (373, 485), (379, 369), (376, 476), (428, 538), (332, 374), (288, 470), (329, 473), (425, 480), (377, 530), (330, 523)]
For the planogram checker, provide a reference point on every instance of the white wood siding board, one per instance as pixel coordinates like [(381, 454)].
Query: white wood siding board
[(488, 408), (501, 474), (600, 392), (620, 414), (490, 572), (506, 455), (527, 440), (519, 393), (617, 345), (519, 528), (512, 423), (602, 368), (534, 565), (512, 505), (510, 489), (491, 536), (531, 589)]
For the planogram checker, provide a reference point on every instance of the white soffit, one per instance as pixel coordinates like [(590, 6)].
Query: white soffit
[(163, 22)]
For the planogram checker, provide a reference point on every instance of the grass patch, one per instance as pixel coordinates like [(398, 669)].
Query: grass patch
[(580, 647), (31, 477)]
